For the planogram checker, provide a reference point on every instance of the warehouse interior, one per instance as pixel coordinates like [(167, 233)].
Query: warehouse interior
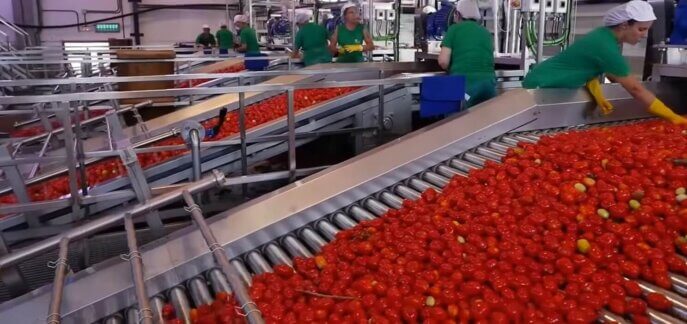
[(158, 165)]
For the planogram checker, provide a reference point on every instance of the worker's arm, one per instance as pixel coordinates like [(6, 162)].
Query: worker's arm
[(445, 58), (648, 99), (333, 41), (369, 44), (242, 48)]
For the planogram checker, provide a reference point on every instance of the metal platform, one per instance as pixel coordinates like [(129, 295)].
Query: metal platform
[(300, 218)]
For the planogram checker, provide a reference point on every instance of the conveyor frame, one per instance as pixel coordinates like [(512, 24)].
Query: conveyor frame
[(184, 255)]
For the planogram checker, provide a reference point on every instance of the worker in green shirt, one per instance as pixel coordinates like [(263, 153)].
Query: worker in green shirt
[(468, 50), (347, 39), (205, 40), (599, 52), (225, 39), (312, 39), (247, 35)]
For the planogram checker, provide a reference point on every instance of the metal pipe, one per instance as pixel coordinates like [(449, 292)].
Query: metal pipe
[(242, 137), (251, 310), (541, 31), (61, 268), (106, 221), (291, 125), (145, 313), (195, 153)]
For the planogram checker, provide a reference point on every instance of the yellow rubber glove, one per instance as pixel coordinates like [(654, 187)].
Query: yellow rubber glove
[(594, 88), (353, 48), (659, 109)]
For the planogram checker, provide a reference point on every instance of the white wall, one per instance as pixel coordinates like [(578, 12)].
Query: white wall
[(7, 12), (159, 27)]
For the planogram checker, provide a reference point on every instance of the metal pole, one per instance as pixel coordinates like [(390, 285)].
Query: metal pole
[(242, 137), (541, 31), (292, 16), (380, 110), (145, 314), (291, 122), (61, 268), (250, 309), (71, 161), (370, 23), (195, 153)]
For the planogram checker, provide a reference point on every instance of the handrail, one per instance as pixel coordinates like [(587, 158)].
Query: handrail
[(118, 95), (88, 59), (173, 77)]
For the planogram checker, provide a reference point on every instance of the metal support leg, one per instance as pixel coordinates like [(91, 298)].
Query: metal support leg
[(61, 268), (80, 158), (71, 160), (195, 154), (141, 188), (291, 122), (145, 314), (250, 309), (242, 136), (380, 111)]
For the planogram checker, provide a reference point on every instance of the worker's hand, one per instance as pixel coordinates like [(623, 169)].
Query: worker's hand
[(353, 48), (659, 109), (594, 88)]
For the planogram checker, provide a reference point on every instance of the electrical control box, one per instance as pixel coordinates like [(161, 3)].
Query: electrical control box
[(560, 6), (533, 5)]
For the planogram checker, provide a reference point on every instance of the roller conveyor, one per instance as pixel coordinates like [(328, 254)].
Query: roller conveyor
[(314, 237), (300, 218)]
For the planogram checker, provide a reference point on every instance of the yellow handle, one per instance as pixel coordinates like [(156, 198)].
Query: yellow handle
[(659, 109), (594, 88)]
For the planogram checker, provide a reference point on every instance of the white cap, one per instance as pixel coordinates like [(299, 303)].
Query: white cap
[(468, 9), (206, 26), (240, 18), (222, 23), (634, 10), (346, 6), (303, 16), (428, 10)]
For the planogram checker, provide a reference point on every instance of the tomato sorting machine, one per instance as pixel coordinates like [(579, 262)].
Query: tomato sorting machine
[(301, 218)]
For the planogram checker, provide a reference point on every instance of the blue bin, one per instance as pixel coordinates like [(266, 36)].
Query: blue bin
[(256, 65), (441, 95)]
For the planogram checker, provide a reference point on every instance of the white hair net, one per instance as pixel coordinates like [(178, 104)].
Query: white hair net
[(468, 9), (240, 18), (634, 10), (302, 16)]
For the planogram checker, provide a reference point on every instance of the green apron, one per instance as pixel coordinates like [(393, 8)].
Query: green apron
[(312, 39), (350, 37)]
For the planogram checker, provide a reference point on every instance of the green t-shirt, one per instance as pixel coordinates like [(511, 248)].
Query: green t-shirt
[(590, 56), (225, 39), (312, 38), (207, 40), (472, 50), (346, 36), (250, 39)]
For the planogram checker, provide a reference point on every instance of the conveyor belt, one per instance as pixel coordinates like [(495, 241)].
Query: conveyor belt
[(309, 240), (300, 218)]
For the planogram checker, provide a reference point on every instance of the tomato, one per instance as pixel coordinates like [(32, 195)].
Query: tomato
[(658, 302)]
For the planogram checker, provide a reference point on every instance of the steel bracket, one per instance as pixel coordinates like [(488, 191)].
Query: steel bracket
[(140, 186)]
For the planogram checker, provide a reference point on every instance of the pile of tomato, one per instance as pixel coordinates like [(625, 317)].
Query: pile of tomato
[(37, 130), (230, 69), (556, 232), (256, 114)]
